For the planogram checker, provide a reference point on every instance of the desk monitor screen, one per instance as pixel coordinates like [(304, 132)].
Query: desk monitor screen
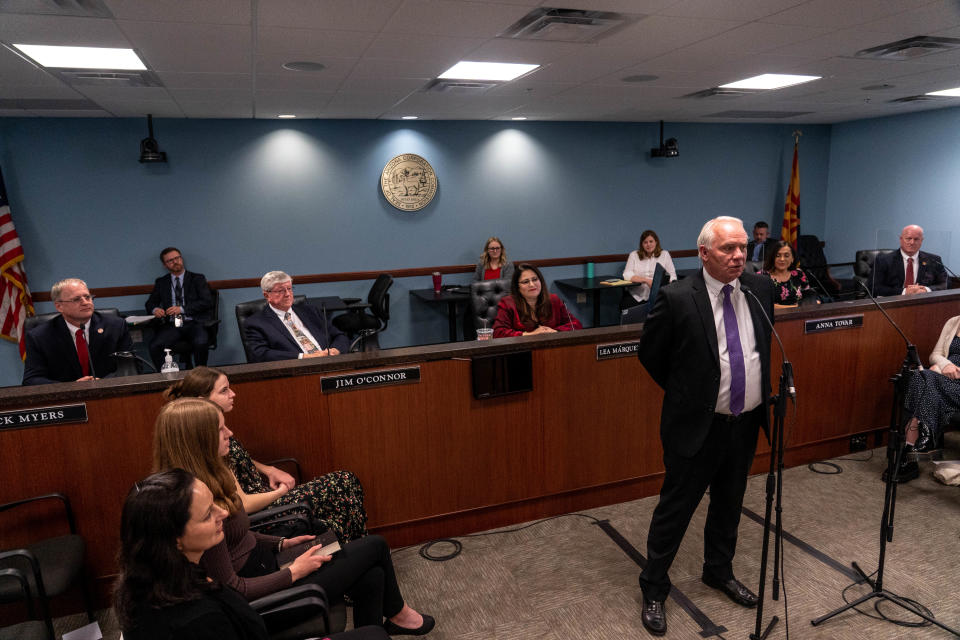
[(502, 374)]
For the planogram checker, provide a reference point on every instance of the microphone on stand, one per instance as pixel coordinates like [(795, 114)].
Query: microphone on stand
[(569, 317), (809, 272), (912, 359), (945, 268), (787, 367), (127, 363)]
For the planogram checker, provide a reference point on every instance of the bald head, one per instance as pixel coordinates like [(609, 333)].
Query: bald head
[(910, 239)]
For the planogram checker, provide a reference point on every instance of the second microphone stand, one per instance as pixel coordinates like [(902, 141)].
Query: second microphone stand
[(774, 490), (895, 447)]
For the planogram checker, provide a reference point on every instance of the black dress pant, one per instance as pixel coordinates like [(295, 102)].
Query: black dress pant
[(362, 569), (722, 464), (168, 335)]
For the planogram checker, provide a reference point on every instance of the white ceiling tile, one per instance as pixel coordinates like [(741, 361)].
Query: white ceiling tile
[(210, 95), (395, 68), (745, 10), (294, 81), (337, 15), (932, 17), (438, 49), (217, 109), (525, 51), (210, 11), (839, 14), (192, 47), (139, 109), (180, 80), (453, 18), (845, 42), (78, 32), (307, 44), (334, 69)]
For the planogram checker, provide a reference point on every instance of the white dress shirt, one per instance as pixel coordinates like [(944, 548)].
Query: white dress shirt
[(299, 324), (645, 269), (753, 393)]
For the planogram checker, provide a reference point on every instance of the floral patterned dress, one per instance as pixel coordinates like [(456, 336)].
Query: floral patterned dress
[(793, 289), (335, 499)]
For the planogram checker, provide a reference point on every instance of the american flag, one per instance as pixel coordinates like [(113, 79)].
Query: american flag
[(15, 301)]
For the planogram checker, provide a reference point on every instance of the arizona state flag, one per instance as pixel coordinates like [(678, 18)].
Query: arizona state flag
[(790, 230)]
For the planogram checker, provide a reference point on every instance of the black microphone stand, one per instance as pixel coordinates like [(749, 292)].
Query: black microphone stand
[(774, 488), (895, 449)]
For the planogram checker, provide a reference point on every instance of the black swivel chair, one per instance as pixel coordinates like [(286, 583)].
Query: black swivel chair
[(246, 309), (184, 349), (813, 261), (32, 629), (363, 326), (33, 321), (50, 565), (484, 298), (300, 612), (863, 265)]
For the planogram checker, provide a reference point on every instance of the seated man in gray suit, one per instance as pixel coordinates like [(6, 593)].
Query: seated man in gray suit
[(76, 345), (283, 330)]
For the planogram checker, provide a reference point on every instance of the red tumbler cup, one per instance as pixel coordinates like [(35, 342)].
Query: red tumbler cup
[(436, 282)]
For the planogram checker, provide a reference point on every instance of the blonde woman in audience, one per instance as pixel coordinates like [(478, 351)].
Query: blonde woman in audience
[(493, 263)]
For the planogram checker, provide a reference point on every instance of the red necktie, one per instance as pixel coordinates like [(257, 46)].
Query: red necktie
[(909, 280), (83, 353)]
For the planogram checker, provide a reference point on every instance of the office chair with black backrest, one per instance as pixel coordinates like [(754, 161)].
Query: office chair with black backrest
[(638, 313), (863, 265), (50, 565), (32, 629), (184, 349), (813, 261), (484, 299), (301, 611), (362, 326), (246, 309)]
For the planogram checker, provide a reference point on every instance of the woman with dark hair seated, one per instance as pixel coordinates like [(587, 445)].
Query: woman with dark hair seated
[(781, 267), (190, 434), (335, 498), (530, 309), (642, 265)]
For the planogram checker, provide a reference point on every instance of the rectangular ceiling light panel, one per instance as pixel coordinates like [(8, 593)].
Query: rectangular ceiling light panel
[(495, 71), (82, 57), (769, 81)]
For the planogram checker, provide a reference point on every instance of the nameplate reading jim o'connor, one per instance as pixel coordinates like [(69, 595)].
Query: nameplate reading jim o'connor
[(832, 324), (617, 350), (22, 418), (367, 379)]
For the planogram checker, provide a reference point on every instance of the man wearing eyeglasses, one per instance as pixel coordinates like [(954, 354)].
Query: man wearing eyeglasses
[(76, 345), (284, 330), (182, 301)]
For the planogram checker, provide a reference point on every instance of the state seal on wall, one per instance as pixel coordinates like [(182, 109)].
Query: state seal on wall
[(408, 182)]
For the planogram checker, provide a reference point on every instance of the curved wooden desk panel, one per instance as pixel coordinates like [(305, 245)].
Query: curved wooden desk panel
[(433, 460)]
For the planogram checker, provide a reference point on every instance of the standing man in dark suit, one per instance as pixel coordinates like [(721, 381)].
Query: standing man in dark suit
[(76, 345), (761, 244), (908, 271), (707, 344), (283, 330), (182, 301)]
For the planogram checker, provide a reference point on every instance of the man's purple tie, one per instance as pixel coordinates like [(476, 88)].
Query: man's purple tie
[(735, 351)]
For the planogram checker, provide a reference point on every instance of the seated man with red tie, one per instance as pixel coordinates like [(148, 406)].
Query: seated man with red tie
[(283, 330), (909, 270), (182, 301), (76, 345)]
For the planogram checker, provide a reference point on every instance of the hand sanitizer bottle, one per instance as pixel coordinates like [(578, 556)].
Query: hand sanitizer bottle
[(169, 366)]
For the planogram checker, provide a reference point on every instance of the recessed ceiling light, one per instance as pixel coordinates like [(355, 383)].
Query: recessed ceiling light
[(499, 71), (950, 93), (519, 118), (83, 57), (409, 117), (303, 66), (769, 81), (286, 116)]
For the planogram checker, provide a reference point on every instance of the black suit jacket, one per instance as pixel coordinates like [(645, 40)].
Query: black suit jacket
[(679, 349), (197, 299), (52, 353), (889, 268), (269, 340), (768, 245)]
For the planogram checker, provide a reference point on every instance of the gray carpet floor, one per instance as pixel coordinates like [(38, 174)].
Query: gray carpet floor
[(566, 578)]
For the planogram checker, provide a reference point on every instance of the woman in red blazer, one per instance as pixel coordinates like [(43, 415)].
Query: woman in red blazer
[(531, 309)]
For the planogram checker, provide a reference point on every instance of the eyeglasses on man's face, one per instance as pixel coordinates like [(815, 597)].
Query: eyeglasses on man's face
[(79, 299), (281, 290)]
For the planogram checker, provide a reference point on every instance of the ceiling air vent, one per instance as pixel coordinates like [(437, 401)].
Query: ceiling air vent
[(910, 48), (717, 92), (757, 115), (460, 87), (93, 77), (79, 8), (913, 99), (568, 25)]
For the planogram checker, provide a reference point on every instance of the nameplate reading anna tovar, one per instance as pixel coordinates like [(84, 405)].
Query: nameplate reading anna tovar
[(367, 379), (38, 416), (832, 324), (617, 350)]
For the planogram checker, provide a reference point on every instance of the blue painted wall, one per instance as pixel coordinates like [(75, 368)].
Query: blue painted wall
[(241, 197), (886, 173)]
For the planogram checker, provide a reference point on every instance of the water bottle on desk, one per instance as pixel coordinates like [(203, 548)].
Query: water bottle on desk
[(169, 366)]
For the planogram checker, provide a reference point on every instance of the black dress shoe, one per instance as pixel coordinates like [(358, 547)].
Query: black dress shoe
[(734, 590), (396, 630), (909, 469), (654, 616)]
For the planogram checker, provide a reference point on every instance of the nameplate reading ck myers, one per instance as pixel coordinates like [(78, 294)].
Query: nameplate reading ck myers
[(366, 379), (832, 324), (617, 350), (35, 417)]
